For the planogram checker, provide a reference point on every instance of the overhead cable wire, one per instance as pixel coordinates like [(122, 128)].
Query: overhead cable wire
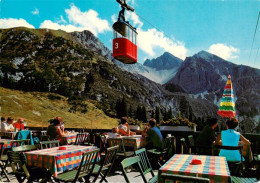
[(256, 55), (152, 25), (254, 37)]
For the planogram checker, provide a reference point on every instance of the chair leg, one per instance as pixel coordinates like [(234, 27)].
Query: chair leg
[(4, 172)]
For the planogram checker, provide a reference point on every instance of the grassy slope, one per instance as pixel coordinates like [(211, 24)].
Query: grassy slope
[(36, 108)]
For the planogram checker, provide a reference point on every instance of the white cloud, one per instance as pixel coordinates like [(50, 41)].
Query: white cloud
[(35, 11), (79, 21), (224, 51), (151, 40), (12, 22)]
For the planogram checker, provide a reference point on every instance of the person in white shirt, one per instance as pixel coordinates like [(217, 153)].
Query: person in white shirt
[(3, 119), (124, 128), (7, 126)]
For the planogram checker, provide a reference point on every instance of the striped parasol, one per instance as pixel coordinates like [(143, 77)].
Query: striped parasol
[(227, 104)]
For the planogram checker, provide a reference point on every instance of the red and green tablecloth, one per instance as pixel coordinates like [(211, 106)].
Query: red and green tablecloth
[(7, 143), (57, 160), (135, 142), (213, 167)]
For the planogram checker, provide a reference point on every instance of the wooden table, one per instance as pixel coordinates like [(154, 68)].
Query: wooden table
[(7, 143), (213, 167), (8, 135), (136, 142), (57, 160), (68, 139)]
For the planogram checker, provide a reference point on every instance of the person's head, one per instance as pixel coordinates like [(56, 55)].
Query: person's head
[(115, 130), (20, 120), (56, 122), (123, 120), (3, 119), (152, 122), (10, 120), (213, 122), (232, 123), (59, 118)]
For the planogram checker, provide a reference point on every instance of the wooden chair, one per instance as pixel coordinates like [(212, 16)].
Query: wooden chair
[(82, 139), (121, 151), (161, 155), (145, 164), (184, 147), (2, 166), (24, 148), (243, 180), (236, 168), (129, 162), (198, 149), (106, 164), (49, 144), (183, 178), (22, 171), (84, 170)]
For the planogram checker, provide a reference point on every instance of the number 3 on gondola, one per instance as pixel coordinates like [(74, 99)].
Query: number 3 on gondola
[(124, 42)]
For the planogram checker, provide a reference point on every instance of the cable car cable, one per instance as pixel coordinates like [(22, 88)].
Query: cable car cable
[(254, 37), (256, 55)]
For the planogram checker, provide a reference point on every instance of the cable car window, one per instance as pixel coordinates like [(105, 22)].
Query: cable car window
[(130, 35)]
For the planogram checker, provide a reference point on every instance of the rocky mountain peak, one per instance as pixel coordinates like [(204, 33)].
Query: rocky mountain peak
[(164, 62)]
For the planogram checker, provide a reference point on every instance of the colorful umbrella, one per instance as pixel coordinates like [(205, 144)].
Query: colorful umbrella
[(227, 105)]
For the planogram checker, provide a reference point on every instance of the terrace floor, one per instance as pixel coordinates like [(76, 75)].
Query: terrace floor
[(116, 177)]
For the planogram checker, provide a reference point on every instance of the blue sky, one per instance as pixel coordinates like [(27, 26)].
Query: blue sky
[(185, 27)]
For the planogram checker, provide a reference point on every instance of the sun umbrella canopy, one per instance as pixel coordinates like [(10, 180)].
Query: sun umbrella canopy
[(227, 104)]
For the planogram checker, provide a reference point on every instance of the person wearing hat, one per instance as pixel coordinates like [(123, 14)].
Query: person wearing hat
[(19, 124)]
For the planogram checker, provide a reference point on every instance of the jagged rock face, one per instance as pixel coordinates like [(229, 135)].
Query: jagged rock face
[(89, 41), (159, 70), (205, 75), (164, 62)]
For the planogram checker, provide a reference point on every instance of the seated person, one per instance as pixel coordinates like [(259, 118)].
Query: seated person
[(207, 136), (3, 119), (230, 137), (154, 138), (124, 128), (54, 130), (19, 124), (8, 125)]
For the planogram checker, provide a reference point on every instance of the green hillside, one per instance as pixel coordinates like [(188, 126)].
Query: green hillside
[(38, 107)]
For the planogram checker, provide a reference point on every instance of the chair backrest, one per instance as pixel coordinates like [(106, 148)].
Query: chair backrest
[(131, 161), (119, 142), (183, 178), (81, 138), (18, 165), (24, 148), (16, 143), (184, 147), (144, 161), (87, 163), (191, 140), (110, 156), (1, 148), (231, 148), (49, 144)]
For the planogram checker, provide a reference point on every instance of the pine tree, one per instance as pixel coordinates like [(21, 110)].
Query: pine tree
[(118, 109), (170, 116), (165, 116), (152, 114), (124, 107), (139, 113), (157, 115), (130, 112), (144, 114)]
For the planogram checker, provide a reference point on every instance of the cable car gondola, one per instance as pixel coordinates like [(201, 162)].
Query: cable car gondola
[(124, 42)]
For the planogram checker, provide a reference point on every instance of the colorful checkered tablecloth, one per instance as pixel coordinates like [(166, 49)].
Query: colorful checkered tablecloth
[(68, 138), (213, 167), (57, 160), (136, 142), (7, 143)]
